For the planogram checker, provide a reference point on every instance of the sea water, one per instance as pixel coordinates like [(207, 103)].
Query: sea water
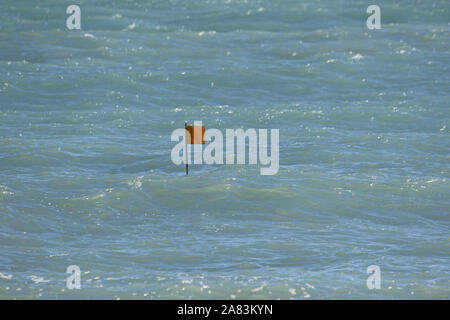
[(86, 178)]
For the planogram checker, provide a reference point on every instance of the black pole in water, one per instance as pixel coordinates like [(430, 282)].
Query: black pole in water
[(185, 138)]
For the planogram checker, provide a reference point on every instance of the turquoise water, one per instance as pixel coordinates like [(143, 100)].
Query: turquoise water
[(86, 177)]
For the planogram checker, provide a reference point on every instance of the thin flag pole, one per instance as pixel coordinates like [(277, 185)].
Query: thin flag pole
[(185, 138)]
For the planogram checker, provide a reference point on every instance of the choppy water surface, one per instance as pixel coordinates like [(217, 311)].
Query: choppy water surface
[(85, 171)]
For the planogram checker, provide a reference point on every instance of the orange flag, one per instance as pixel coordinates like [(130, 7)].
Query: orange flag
[(195, 134)]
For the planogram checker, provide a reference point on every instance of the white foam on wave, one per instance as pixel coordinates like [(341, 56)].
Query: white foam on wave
[(37, 279), (357, 57), (136, 183), (5, 190), (6, 276)]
